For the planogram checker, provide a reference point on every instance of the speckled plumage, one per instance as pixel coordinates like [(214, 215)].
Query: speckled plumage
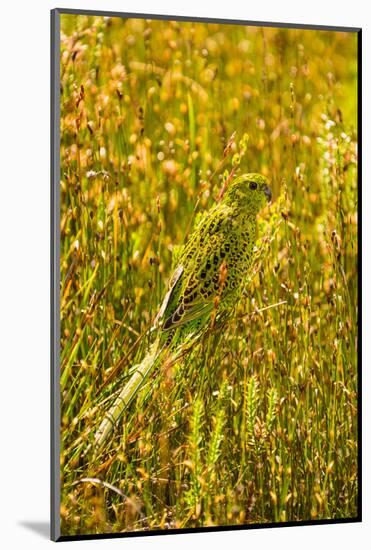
[(215, 260), (208, 275)]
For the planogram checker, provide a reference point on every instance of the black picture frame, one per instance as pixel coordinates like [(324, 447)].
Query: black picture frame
[(55, 272)]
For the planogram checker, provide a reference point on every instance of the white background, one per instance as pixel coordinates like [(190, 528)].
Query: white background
[(24, 272)]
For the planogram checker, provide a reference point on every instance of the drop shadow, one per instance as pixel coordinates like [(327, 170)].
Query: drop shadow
[(42, 528)]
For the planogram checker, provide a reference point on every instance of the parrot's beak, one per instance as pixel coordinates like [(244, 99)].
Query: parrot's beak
[(268, 193)]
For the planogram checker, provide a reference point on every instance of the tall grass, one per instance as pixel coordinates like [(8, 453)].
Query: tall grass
[(258, 421)]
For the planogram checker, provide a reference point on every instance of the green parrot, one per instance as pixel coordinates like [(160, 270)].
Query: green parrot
[(208, 277)]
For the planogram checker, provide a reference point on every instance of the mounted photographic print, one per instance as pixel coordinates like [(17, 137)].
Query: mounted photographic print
[(205, 284)]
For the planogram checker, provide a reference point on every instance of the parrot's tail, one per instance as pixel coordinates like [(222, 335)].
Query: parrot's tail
[(126, 396)]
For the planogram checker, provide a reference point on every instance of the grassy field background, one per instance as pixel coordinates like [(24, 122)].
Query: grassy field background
[(258, 423)]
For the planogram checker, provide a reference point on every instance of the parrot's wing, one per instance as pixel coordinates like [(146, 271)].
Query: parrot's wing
[(175, 311), (175, 278), (186, 314)]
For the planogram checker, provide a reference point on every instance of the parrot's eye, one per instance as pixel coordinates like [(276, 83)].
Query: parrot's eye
[(253, 185)]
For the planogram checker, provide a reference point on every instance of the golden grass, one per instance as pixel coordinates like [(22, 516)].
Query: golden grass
[(258, 423)]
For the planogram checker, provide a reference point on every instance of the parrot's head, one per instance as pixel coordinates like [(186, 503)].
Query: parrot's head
[(249, 192)]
